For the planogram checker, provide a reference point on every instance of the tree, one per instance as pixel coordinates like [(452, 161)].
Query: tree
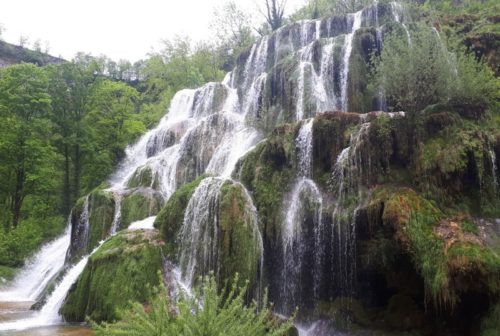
[(23, 40), (349, 6), (111, 123), (25, 151), (414, 75), (274, 12), (68, 87), (233, 31)]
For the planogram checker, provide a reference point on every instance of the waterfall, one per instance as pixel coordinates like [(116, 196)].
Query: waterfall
[(199, 238), (118, 212), (494, 168), (198, 235), (207, 130), (39, 270), (143, 224), (356, 24), (399, 14), (49, 314), (305, 198), (346, 180), (80, 232)]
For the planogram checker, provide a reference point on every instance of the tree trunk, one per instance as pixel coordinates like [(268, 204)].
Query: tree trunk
[(17, 199), (78, 171), (67, 197)]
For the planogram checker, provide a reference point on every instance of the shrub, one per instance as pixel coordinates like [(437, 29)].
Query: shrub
[(209, 313)]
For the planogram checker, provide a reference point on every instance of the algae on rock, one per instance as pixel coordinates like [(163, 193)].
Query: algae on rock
[(116, 274)]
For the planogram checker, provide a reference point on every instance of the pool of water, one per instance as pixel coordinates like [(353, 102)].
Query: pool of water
[(12, 311)]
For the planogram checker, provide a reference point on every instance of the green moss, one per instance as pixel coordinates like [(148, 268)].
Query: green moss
[(403, 313), (171, 216), (117, 273), (102, 209), (7, 273), (360, 95), (331, 132), (267, 172), (240, 243), (490, 324), (143, 177), (140, 204), (101, 215), (450, 263), (345, 312)]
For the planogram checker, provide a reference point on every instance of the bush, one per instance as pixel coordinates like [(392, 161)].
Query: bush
[(208, 314), (417, 71), (17, 244), (413, 71)]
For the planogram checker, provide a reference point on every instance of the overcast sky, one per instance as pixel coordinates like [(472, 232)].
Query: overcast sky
[(125, 29)]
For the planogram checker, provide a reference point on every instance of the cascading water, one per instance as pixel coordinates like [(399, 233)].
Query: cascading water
[(303, 219), (346, 181), (39, 270), (118, 212), (494, 168), (199, 236), (207, 130), (356, 24), (399, 14), (49, 314)]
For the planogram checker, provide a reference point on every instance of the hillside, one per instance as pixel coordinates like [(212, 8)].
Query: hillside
[(14, 54)]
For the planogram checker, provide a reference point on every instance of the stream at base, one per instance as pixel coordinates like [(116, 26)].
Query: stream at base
[(11, 311)]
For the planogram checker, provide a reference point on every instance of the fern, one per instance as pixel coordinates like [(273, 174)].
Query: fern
[(208, 313)]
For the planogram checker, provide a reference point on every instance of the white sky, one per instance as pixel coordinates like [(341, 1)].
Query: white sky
[(120, 29)]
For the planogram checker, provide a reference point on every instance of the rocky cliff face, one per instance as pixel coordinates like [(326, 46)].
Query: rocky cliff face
[(13, 54)]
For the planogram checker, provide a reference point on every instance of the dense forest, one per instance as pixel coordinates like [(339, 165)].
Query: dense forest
[(67, 126)]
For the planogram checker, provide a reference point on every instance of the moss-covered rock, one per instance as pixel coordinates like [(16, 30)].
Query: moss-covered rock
[(451, 260), (240, 240), (117, 273), (91, 221), (331, 133), (403, 313), (346, 313), (171, 216), (267, 172), (140, 203), (143, 177)]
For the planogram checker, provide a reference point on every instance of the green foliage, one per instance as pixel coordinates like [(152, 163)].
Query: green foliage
[(171, 216), (117, 273), (26, 153), (111, 123), (17, 244), (491, 323), (233, 32), (417, 71), (445, 264), (314, 9), (139, 205), (476, 85), (208, 314), (414, 72)]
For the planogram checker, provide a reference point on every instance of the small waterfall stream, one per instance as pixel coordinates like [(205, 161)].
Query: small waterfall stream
[(305, 201), (39, 270), (49, 314), (356, 24), (494, 168), (346, 181)]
